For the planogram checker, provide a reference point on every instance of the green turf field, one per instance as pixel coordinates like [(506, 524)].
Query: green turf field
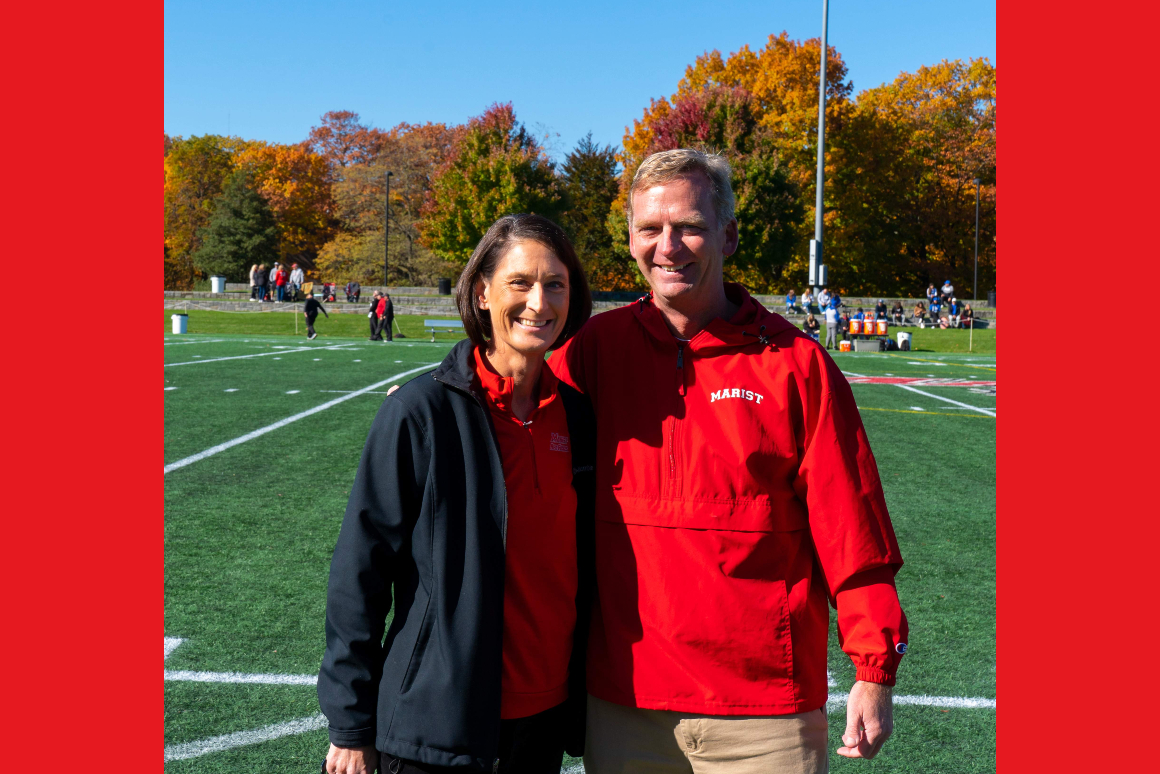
[(249, 530), (355, 326)]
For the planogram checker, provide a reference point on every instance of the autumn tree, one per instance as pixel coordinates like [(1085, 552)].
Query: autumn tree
[(295, 182), (495, 168), (412, 153), (195, 172), (590, 186), (344, 141), (241, 232)]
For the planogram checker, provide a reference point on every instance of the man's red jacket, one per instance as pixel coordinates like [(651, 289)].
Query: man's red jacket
[(736, 498)]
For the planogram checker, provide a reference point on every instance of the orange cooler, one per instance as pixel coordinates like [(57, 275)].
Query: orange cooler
[(843, 346), (881, 327), (855, 327)]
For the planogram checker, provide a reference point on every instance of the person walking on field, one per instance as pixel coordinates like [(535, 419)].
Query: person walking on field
[(736, 495), (373, 316), (311, 313)]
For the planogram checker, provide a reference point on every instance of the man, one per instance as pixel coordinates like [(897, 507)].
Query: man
[(948, 291), (955, 310), (831, 327), (261, 278), (736, 494), (297, 279), (824, 298), (387, 315), (311, 312), (880, 310), (373, 315)]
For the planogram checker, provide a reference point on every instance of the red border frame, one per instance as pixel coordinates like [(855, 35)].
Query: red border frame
[(83, 529)]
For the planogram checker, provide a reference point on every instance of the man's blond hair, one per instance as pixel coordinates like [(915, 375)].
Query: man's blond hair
[(664, 166)]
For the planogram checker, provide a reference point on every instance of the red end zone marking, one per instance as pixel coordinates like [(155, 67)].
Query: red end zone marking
[(920, 382)]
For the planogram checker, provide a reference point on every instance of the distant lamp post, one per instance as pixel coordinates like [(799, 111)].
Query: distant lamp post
[(387, 230), (975, 287)]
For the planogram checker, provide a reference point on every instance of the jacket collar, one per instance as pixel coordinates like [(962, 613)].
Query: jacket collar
[(752, 323), (498, 389), (458, 368)]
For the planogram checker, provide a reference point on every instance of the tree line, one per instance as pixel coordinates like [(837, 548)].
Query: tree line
[(899, 203)]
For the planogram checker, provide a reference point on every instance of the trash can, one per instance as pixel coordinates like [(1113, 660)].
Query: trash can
[(180, 323), (444, 286), (217, 284), (990, 298), (904, 341)]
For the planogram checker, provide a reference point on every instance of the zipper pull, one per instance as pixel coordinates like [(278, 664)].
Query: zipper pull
[(680, 357)]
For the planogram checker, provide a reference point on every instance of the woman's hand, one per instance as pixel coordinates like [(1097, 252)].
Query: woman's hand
[(352, 760)]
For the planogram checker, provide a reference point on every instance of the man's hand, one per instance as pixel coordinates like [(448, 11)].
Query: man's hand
[(869, 720), (352, 760)]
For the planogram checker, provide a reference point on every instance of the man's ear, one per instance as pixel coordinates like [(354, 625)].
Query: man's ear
[(732, 239)]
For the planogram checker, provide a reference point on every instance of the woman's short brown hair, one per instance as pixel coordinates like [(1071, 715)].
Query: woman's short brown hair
[(500, 238)]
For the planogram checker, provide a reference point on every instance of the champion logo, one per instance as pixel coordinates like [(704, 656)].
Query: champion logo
[(735, 392), (559, 443)]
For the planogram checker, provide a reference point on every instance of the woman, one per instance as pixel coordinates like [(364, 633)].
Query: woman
[(813, 327), (919, 313), (968, 320), (253, 285), (897, 312), (261, 277), (467, 512)]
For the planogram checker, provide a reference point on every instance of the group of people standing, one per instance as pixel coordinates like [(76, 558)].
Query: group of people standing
[(626, 551), (381, 316), (286, 283)]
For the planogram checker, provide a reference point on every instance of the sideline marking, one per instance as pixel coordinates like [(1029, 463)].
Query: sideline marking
[(283, 422), (180, 752), (920, 411), (167, 389), (246, 357), (205, 341), (964, 365), (988, 412)]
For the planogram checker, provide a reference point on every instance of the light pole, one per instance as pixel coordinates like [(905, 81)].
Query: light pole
[(975, 286), (387, 230), (817, 267)]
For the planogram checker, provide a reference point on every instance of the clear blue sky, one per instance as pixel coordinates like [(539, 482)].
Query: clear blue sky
[(268, 70)]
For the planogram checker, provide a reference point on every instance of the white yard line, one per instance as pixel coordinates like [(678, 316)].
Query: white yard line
[(260, 354), (181, 676), (988, 412), (180, 752), (283, 422), (171, 644)]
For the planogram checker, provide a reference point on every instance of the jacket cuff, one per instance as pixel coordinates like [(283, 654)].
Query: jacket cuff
[(357, 737), (872, 675)]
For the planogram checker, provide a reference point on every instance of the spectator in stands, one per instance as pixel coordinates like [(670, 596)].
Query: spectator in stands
[(297, 280), (790, 302), (808, 300), (831, 326), (919, 313), (281, 276), (824, 298), (373, 316), (311, 313), (353, 289), (880, 310), (955, 311), (935, 309), (859, 315), (253, 285), (948, 291), (812, 327), (261, 278), (968, 318), (898, 313), (931, 294)]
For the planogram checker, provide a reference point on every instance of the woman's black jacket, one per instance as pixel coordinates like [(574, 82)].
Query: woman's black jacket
[(427, 521)]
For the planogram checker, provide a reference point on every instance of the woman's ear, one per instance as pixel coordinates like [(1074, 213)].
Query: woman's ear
[(481, 290)]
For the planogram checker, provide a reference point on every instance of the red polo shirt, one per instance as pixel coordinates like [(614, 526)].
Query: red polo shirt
[(539, 607)]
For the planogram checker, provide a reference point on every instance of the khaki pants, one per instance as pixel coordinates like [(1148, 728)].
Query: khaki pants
[(626, 740)]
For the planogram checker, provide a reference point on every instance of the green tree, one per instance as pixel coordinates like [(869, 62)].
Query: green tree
[(590, 186), (195, 171), (496, 168), (241, 232)]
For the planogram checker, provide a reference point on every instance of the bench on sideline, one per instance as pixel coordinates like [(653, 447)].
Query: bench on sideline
[(441, 325)]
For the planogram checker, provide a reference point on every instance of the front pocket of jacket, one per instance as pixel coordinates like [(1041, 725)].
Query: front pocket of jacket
[(421, 640)]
